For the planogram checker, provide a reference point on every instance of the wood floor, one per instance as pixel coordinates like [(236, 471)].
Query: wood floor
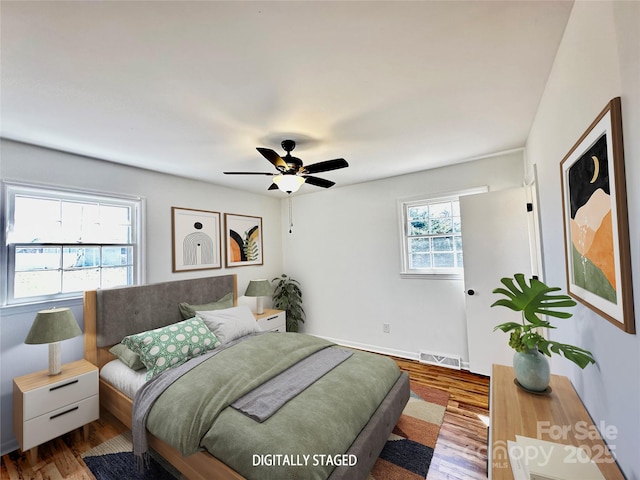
[(461, 450), (460, 453)]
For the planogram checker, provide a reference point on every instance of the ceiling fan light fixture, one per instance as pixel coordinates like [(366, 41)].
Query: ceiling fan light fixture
[(288, 183), (292, 173)]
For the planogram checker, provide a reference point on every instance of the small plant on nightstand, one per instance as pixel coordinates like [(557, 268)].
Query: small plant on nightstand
[(287, 296), (535, 300)]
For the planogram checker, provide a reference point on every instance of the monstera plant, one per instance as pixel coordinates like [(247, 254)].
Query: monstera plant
[(287, 296), (535, 300)]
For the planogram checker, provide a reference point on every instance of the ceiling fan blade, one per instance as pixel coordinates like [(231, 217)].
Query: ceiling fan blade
[(273, 186), (250, 173), (273, 157), (326, 166), (318, 182)]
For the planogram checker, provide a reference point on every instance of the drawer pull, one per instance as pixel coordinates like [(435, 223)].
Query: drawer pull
[(63, 413), (63, 385), (271, 318)]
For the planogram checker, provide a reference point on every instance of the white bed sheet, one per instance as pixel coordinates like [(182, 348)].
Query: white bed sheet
[(123, 378)]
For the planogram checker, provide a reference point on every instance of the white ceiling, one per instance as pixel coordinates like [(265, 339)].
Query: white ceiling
[(191, 88)]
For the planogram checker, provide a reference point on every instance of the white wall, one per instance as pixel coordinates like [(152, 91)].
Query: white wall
[(27, 163), (598, 59), (345, 251)]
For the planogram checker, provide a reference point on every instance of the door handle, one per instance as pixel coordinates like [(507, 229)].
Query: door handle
[(471, 291)]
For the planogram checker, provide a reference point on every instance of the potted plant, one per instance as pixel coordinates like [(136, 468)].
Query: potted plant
[(534, 300), (287, 296)]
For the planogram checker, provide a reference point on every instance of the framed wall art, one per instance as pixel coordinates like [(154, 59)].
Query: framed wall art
[(195, 240), (596, 228), (243, 242)]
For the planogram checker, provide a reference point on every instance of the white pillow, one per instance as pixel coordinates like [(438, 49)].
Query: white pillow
[(230, 323)]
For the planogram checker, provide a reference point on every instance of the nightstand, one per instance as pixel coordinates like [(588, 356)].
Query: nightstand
[(272, 320), (45, 407)]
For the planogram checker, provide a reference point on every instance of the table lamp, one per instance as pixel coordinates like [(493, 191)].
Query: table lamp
[(259, 288), (53, 326)]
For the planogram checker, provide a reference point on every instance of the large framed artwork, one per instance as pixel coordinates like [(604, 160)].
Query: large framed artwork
[(243, 235), (195, 240), (596, 227)]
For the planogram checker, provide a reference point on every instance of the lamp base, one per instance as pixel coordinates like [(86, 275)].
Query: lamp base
[(259, 305), (55, 362)]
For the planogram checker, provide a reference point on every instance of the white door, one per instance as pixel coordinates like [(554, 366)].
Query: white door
[(495, 238)]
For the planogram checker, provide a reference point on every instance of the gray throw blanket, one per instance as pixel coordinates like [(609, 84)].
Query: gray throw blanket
[(147, 394), (262, 402)]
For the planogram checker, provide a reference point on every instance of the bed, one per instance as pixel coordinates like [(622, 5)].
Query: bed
[(111, 314)]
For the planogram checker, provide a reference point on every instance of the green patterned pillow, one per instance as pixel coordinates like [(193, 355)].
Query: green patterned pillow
[(170, 346), (189, 311)]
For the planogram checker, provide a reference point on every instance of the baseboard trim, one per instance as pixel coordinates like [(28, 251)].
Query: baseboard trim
[(9, 446), (382, 350), (373, 348)]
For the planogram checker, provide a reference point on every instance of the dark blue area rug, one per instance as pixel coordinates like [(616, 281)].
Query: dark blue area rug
[(407, 454), (123, 466), (114, 460)]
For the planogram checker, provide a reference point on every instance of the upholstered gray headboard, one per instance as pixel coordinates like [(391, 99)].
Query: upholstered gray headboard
[(123, 311)]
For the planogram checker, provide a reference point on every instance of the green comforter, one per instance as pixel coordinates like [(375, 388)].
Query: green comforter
[(305, 439)]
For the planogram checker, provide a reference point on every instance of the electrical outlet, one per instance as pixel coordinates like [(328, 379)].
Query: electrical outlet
[(386, 328)]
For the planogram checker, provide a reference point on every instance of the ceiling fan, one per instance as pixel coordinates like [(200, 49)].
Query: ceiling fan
[(291, 172)]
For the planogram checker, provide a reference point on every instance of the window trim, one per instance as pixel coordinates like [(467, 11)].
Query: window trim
[(12, 188), (402, 204)]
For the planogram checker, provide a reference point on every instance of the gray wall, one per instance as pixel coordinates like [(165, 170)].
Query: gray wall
[(598, 59), (26, 163)]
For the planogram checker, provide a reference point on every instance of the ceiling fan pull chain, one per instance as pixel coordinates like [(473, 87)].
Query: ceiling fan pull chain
[(290, 214)]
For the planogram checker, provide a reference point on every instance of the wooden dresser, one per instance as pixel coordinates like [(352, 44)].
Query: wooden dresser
[(558, 417)]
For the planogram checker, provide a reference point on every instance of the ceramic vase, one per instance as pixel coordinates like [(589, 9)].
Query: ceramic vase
[(532, 370)]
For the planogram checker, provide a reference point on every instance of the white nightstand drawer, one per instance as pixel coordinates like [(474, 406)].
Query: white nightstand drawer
[(50, 425), (59, 394), (274, 322)]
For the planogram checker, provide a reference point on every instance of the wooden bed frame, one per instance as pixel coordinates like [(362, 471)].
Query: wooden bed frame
[(202, 465)]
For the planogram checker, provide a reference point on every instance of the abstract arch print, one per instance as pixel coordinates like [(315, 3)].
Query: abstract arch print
[(196, 239), (243, 240), (197, 248)]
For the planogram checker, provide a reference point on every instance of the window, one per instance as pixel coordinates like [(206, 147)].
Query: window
[(432, 235), (60, 243)]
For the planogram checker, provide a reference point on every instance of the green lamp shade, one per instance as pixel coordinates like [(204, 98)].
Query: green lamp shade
[(52, 326), (258, 288)]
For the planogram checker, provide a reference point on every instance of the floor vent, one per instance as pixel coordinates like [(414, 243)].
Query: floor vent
[(449, 361)]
